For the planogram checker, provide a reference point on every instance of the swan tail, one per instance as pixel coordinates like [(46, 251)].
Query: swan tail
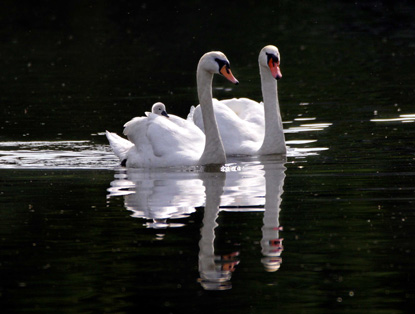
[(119, 145)]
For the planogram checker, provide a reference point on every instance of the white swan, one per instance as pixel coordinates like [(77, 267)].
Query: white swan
[(246, 126), (158, 108), (155, 141)]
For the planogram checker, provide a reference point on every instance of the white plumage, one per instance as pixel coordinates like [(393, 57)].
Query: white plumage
[(248, 127), (157, 141)]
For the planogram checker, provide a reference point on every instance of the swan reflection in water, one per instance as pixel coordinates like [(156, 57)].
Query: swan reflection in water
[(161, 196), (257, 186)]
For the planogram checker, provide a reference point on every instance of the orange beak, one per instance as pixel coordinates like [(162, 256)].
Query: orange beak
[(275, 69), (226, 72)]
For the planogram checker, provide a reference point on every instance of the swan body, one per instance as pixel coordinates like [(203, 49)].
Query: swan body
[(246, 126), (155, 141)]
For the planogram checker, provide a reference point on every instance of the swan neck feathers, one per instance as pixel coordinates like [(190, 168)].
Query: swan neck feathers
[(274, 142), (214, 152)]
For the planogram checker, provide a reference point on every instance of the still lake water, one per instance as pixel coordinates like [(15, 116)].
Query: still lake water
[(329, 229)]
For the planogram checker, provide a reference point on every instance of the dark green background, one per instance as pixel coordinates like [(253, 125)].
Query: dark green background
[(79, 67)]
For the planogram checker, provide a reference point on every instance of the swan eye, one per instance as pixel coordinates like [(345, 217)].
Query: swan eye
[(273, 63), (223, 63), (225, 70), (272, 59)]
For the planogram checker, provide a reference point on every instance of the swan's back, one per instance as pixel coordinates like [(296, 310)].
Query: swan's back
[(163, 142), (246, 109), (240, 122)]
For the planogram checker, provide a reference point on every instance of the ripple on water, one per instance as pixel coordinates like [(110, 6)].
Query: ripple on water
[(404, 118), (86, 154), (300, 152), (56, 154)]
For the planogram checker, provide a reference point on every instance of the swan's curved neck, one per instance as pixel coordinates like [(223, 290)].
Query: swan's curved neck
[(274, 141), (214, 153)]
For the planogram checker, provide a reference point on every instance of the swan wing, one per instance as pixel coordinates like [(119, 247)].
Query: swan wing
[(163, 142), (135, 130), (175, 137), (241, 130), (247, 109), (183, 123), (119, 145)]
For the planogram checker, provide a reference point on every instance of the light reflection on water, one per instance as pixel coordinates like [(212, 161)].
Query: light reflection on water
[(85, 154), (404, 118), (56, 154), (158, 195)]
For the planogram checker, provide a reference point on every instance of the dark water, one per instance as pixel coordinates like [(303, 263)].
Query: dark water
[(328, 230)]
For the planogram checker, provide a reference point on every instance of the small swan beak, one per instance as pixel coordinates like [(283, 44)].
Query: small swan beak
[(226, 72), (275, 69), (164, 113)]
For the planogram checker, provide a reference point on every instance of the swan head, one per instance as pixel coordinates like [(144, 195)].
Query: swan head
[(160, 109), (215, 62), (269, 57)]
